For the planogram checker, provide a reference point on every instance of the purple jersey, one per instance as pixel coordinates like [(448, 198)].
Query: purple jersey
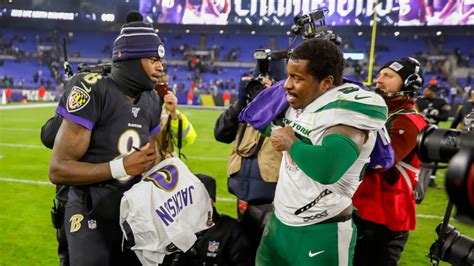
[(117, 124)]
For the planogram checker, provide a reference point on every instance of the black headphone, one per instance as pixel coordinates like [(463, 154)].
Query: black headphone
[(413, 82), (411, 85)]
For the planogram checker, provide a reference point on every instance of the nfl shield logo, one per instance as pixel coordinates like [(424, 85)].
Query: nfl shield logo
[(213, 246), (92, 224)]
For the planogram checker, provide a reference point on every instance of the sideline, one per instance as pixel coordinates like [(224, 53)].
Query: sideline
[(45, 183), (54, 104), (28, 106)]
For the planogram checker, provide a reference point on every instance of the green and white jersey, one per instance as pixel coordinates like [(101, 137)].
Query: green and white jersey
[(300, 200)]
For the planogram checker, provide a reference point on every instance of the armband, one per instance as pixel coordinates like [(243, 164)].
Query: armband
[(117, 168)]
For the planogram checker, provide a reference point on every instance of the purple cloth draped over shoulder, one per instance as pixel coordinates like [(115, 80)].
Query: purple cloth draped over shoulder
[(266, 106)]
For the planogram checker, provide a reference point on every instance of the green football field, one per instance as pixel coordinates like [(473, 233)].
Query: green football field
[(26, 234)]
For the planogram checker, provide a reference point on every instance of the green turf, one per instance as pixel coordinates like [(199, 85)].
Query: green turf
[(27, 237)]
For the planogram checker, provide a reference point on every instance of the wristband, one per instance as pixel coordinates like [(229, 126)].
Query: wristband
[(117, 168)]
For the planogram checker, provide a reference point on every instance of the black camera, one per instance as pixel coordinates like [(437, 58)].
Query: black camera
[(270, 66), (102, 69), (452, 247), (313, 25), (457, 149)]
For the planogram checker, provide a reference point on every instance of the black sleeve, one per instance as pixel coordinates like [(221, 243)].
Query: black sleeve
[(227, 124), (83, 99), (443, 114), (49, 130)]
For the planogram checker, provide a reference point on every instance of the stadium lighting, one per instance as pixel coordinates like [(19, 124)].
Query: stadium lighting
[(355, 56), (149, 19), (107, 17)]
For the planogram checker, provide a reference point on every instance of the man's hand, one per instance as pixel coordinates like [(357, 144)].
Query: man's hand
[(163, 78), (283, 138), (140, 161), (266, 82), (171, 103)]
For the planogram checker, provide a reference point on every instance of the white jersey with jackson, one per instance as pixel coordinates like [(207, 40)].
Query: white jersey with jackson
[(165, 209), (300, 200)]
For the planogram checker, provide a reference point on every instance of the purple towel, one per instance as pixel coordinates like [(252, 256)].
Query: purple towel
[(266, 106), (382, 156), (269, 104)]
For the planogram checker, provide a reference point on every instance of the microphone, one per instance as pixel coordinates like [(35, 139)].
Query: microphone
[(393, 94)]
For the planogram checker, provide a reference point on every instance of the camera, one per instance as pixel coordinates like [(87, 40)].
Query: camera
[(457, 149), (313, 25), (256, 85), (453, 248), (270, 65), (102, 69)]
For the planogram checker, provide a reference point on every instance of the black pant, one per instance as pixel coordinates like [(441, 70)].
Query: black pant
[(95, 242), (58, 223), (253, 220), (377, 245)]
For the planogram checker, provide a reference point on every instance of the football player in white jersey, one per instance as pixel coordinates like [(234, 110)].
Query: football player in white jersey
[(329, 135)]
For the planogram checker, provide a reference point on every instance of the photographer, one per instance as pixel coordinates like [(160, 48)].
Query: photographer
[(384, 200), (252, 164), (455, 147), (104, 142)]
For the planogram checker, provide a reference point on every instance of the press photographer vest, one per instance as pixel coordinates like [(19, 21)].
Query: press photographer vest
[(393, 205)]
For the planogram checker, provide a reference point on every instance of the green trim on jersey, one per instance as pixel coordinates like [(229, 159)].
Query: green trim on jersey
[(373, 111), (328, 162), (267, 131), (361, 175)]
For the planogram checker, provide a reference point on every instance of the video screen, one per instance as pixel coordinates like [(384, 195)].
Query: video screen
[(282, 12)]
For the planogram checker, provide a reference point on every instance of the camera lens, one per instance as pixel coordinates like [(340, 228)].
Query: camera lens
[(437, 145), (457, 248)]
